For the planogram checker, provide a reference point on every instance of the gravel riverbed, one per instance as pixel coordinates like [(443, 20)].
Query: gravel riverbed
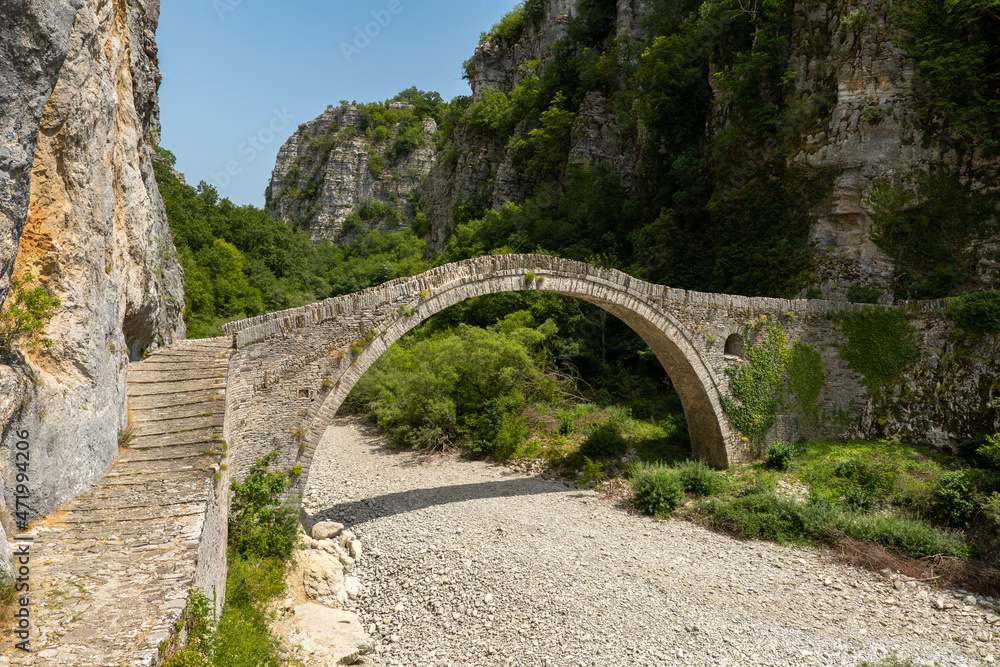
[(470, 563)]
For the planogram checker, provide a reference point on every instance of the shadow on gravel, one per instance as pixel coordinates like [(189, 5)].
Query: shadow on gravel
[(390, 504)]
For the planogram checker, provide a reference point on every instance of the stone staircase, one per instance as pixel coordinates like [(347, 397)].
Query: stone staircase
[(111, 569)]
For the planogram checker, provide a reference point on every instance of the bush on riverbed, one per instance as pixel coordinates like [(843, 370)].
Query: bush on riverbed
[(658, 488), (467, 386)]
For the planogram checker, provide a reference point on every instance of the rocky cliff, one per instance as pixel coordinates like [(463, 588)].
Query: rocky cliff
[(335, 163), (851, 113), (81, 212)]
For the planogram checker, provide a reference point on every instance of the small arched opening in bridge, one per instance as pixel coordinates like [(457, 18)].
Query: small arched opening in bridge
[(627, 299), (735, 345)]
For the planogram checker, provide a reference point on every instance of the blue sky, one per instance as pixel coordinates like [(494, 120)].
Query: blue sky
[(239, 76)]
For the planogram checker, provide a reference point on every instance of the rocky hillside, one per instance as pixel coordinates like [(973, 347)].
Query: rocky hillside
[(364, 160), (801, 148), (82, 214)]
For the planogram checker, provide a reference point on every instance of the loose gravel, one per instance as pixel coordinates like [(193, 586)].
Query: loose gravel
[(469, 563)]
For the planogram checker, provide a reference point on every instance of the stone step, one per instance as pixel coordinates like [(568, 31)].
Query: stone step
[(176, 366), (142, 376), (171, 400), (158, 512), (138, 502), (191, 410), (146, 468), (160, 388), (175, 452), (207, 352), (177, 425), (210, 436)]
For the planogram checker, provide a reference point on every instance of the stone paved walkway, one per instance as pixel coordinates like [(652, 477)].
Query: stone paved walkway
[(111, 570)]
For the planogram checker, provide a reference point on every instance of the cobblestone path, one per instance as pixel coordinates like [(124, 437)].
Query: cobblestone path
[(111, 569)]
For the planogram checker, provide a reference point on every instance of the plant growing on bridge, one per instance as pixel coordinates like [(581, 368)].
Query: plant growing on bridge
[(29, 310), (199, 619), (775, 376), (260, 524), (879, 343)]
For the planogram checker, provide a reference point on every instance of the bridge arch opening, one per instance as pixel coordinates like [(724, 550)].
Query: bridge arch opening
[(672, 344), (546, 364)]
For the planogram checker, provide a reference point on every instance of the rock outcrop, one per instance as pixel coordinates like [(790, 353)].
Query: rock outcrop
[(336, 162), (94, 232)]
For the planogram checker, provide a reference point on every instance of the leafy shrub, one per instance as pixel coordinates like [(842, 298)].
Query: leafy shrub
[(604, 440), (375, 165), (862, 294), (24, 320), (372, 210), (509, 438), (255, 579), (856, 19), (199, 620), (874, 477), (493, 113), (859, 499), (458, 386), (762, 514), (977, 312), (260, 525), (924, 223), (698, 478), (408, 141), (989, 451), (953, 499), (658, 489), (243, 633), (913, 538), (780, 455)]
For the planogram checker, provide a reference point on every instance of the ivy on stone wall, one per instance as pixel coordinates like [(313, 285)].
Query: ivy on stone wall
[(757, 387), (806, 377), (775, 377), (880, 343)]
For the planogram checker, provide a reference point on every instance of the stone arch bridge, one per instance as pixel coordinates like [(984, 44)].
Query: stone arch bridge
[(290, 371)]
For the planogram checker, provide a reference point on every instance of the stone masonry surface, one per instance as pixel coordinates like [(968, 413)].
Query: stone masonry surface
[(111, 569)]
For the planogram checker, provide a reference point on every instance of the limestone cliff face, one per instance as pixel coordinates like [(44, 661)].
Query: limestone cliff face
[(35, 36), (334, 163), (873, 131), (95, 233)]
